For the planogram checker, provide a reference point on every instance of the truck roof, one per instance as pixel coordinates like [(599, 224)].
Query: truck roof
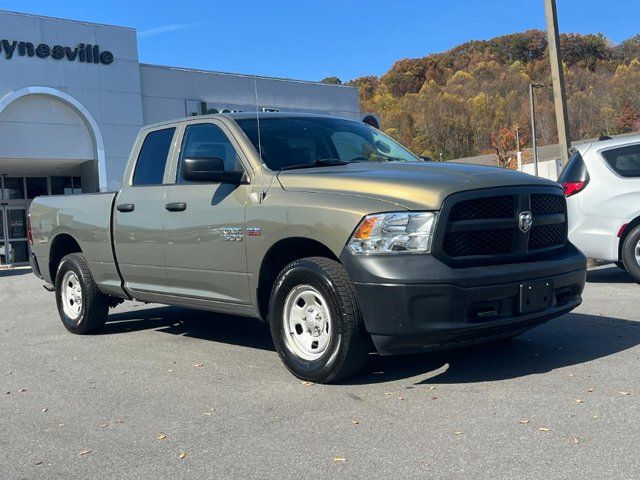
[(242, 116)]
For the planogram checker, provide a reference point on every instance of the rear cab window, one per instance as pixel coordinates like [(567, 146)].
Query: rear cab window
[(152, 159), (625, 161)]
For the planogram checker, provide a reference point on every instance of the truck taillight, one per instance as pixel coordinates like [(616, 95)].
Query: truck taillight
[(29, 235), (571, 188)]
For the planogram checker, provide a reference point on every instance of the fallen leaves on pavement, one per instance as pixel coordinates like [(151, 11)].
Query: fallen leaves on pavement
[(624, 392), (85, 452), (182, 454), (576, 440), (544, 429), (162, 436), (339, 459), (524, 421)]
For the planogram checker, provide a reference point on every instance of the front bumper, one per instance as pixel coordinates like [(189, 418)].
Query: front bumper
[(416, 303)]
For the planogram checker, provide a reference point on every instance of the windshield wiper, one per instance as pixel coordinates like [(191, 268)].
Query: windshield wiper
[(395, 159), (323, 162)]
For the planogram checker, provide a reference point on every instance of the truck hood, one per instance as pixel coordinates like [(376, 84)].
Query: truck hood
[(414, 186)]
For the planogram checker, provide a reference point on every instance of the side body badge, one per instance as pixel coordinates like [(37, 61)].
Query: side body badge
[(254, 231)]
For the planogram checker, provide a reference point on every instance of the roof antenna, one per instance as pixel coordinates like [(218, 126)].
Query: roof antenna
[(255, 88)]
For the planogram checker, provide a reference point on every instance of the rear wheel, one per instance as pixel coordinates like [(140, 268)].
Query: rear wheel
[(315, 321), (83, 308), (631, 253)]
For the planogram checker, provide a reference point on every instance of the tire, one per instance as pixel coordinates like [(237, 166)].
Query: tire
[(75, 282), (631, 253), (322, 308), (621, 266)]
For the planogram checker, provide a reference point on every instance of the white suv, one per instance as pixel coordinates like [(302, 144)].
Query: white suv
[(602, 186)]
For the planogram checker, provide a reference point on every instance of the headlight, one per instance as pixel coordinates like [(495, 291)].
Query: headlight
[(398, 232)]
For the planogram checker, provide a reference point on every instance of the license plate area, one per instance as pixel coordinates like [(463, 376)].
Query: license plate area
[(536, 296)]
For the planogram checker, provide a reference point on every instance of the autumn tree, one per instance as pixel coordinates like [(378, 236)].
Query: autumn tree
[(456, 103), (504, 142)]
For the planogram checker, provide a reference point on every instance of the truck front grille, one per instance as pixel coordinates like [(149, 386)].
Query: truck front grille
[(491, 207), (484, 226), (545, 236), (484, 242), (544, 204)]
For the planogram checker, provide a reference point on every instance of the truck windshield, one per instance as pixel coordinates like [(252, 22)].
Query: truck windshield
[(300, 142)]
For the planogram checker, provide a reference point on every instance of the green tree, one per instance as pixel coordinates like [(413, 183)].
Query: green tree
[(331, 80)]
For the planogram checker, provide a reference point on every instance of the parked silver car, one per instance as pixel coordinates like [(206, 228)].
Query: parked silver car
[(602, 186)]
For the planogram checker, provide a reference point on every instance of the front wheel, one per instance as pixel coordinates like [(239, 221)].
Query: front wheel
[(315, 321), (631, 253), (83, 308)]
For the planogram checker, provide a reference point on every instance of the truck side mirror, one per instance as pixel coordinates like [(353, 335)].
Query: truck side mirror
[(208, 169)]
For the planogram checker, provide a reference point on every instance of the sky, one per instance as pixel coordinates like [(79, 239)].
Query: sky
[(311, 40)]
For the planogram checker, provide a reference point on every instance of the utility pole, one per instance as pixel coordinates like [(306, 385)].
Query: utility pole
[(533, 126), (518, 149), (557, 76)]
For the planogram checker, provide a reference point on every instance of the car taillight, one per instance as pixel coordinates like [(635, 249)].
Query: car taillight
[(571, 188), (622, 229), (29, 235)]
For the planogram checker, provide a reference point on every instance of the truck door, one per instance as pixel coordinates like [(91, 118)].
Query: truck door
[(138, 234), (204, 223)]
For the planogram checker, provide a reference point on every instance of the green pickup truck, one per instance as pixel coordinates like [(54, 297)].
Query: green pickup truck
[(340, 238)]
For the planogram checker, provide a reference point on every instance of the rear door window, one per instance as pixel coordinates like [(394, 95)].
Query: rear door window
[(625, 161), (152, 159)]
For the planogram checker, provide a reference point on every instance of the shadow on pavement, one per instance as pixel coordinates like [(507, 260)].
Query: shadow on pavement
[(569, 340), (215, 327), (609, 275)]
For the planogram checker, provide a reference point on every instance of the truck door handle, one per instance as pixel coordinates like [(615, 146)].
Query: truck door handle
[(126, 207), (176, 206)]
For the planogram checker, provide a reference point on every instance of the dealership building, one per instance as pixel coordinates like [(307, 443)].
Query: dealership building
[(73, 96)]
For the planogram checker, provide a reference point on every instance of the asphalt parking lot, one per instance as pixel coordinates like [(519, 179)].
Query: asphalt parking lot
[(171, 393)]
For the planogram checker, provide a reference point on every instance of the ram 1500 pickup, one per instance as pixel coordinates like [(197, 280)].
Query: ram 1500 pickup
[(335, 234)]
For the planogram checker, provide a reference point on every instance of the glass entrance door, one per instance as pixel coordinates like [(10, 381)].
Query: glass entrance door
[(14, 247), (16, 193), (3, 253)]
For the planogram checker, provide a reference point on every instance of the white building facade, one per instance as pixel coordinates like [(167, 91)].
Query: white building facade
[(73, 97)]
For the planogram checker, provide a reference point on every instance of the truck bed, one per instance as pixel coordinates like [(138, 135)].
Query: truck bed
[(86, 218)]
